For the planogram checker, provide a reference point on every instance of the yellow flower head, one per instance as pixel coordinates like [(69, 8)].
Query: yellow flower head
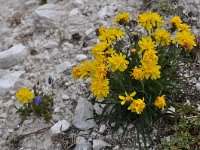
[(175, 21), (84, 70), (137, 73), (162, 37), (99, 49), (150, 57), (146, 43), (118, 62), (150, 20), (186, 40), (76, 72), (110, 35), (151, 71), (160, 102), (122, 18), (100, 87), (25, 95), (127, 98), (137, 106), (183, 27)]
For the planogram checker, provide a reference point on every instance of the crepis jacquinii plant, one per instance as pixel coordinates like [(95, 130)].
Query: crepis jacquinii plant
[(133, 74)]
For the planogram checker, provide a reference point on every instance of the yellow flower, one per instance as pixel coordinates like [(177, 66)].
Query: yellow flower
[(110, 35), (160, 102), (118, 62), (150, 57), (183, 27), (122, 18), (133, 51), (150, 20), (146, 43), (99, 49), (175, 21), (84, 70), (151, 71), (186, 40), (76, 72), (25, 95), (101, 71), (137, 73), (127, 98), (100, 87), (162, 37), (137, 106)]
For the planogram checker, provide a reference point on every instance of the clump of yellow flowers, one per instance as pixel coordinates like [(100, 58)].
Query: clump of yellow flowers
[(135, 71)]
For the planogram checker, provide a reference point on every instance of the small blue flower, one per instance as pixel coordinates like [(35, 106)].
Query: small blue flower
[(38, 100)]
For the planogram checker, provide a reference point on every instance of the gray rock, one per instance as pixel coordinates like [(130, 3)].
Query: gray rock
[(65, 97), (64, 66), (102, 128), (23, 83), (12, 56), (49, 14), (79, 3), (83, 115), (82, 144), (51, 44), (59, 127), (81, 57), (105, 12), (8, 80), (99, 145), (198, 86), (74, 12)]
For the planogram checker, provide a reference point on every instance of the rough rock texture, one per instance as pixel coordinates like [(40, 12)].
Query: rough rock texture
[(37, 45), (12, 56), (83, 118)]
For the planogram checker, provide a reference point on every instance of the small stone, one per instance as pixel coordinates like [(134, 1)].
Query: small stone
[(49, 14), (51, 44), (59, 127), (29, 121), (102, 128), (98, 108), (74, 12), (8, 103), (99, 145), (23, 83), (198, 107), (89, 31), (81, 57), (105, 12), (83, 118), (65, 97), (12, 56), (56, 109), (171, 110), (82, 144), (116, 147), (3, 115), (8, 80), (198, 87), (63, 66)]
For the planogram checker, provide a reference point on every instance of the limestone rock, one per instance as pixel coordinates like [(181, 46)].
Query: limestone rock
[(49, 14), (81, 57), (99, 144), (8, 80), (12, 56), (82, 144), (59, 127), (63, 66), (83, 115)]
